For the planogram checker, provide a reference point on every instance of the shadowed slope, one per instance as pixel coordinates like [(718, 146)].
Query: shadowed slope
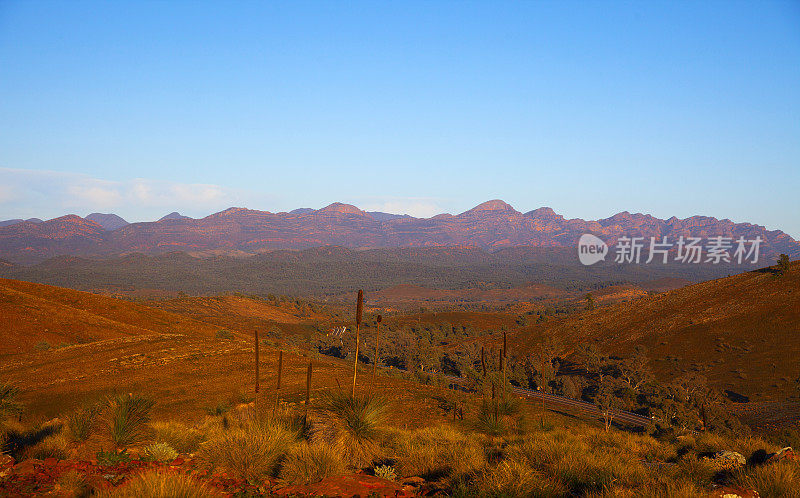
[(741, 332)]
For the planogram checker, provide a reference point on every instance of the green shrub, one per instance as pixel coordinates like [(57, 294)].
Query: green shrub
[(310, 463), (224, 334), (386, 472), (81, 422), (160, 484), (351, 426), (42, 346), (127, 419), (112, 457), (250, 453), (178, 436), (159, 452)]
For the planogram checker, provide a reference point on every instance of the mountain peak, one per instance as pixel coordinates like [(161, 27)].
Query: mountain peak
[(108, 221), (338, 207), (493, 205), (544, 213), (174, 216)]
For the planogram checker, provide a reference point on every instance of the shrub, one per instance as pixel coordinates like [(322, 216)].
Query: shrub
[(386, 472), (181, 438), (250, 453), (224, 334), (310, 463), (127, 419), (158, 484), (351, 426), (81, 421), (159, 452), (42, 346), (112, 457)]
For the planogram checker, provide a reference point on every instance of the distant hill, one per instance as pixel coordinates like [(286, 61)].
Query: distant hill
[(174, 216), (491, 226), (5, 223), (741, 332), (108, 221), (333, 270)]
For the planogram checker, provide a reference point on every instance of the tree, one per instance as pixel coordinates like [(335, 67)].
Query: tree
[(593, 360), (606, 401), (634, 370), (541, 363), (589, 302), (783, 264)]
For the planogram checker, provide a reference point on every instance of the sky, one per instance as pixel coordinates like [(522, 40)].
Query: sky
[(589, 107)]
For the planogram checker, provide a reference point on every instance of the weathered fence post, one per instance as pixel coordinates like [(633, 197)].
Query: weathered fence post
[(359, 310)]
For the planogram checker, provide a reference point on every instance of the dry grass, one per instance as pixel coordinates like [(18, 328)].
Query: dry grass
[(180, 437), (55, 446), (160, 485), (436, 452), (310, 463), (781, 479), (250, 452)]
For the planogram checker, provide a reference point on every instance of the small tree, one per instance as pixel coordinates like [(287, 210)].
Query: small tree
[(593, 360), (589, 302), (606, 401), (783, 264), (634, 369)]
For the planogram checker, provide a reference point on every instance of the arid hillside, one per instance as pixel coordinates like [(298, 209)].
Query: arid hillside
[(36, 316), (741, 332)]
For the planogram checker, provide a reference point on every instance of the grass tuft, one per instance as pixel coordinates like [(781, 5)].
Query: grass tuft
[(351, 426), (181, 438), (81, 422), (310, 463), (251, 452), (127, 418), (160, 484)]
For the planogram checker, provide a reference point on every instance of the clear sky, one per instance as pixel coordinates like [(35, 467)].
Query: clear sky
[(589, 107)]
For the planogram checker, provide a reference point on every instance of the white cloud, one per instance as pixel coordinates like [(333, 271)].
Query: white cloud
[(417, 207), (42, 193)]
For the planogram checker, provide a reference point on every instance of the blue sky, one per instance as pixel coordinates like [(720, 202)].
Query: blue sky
[(141, 108)]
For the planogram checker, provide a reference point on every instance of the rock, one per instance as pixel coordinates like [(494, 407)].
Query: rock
[(412, 481), (781, 455), (729, 460), (731, 492), (27, 466), (6, 461)]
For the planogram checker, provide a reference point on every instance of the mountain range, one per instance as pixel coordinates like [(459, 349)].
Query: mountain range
[(490, 226)]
